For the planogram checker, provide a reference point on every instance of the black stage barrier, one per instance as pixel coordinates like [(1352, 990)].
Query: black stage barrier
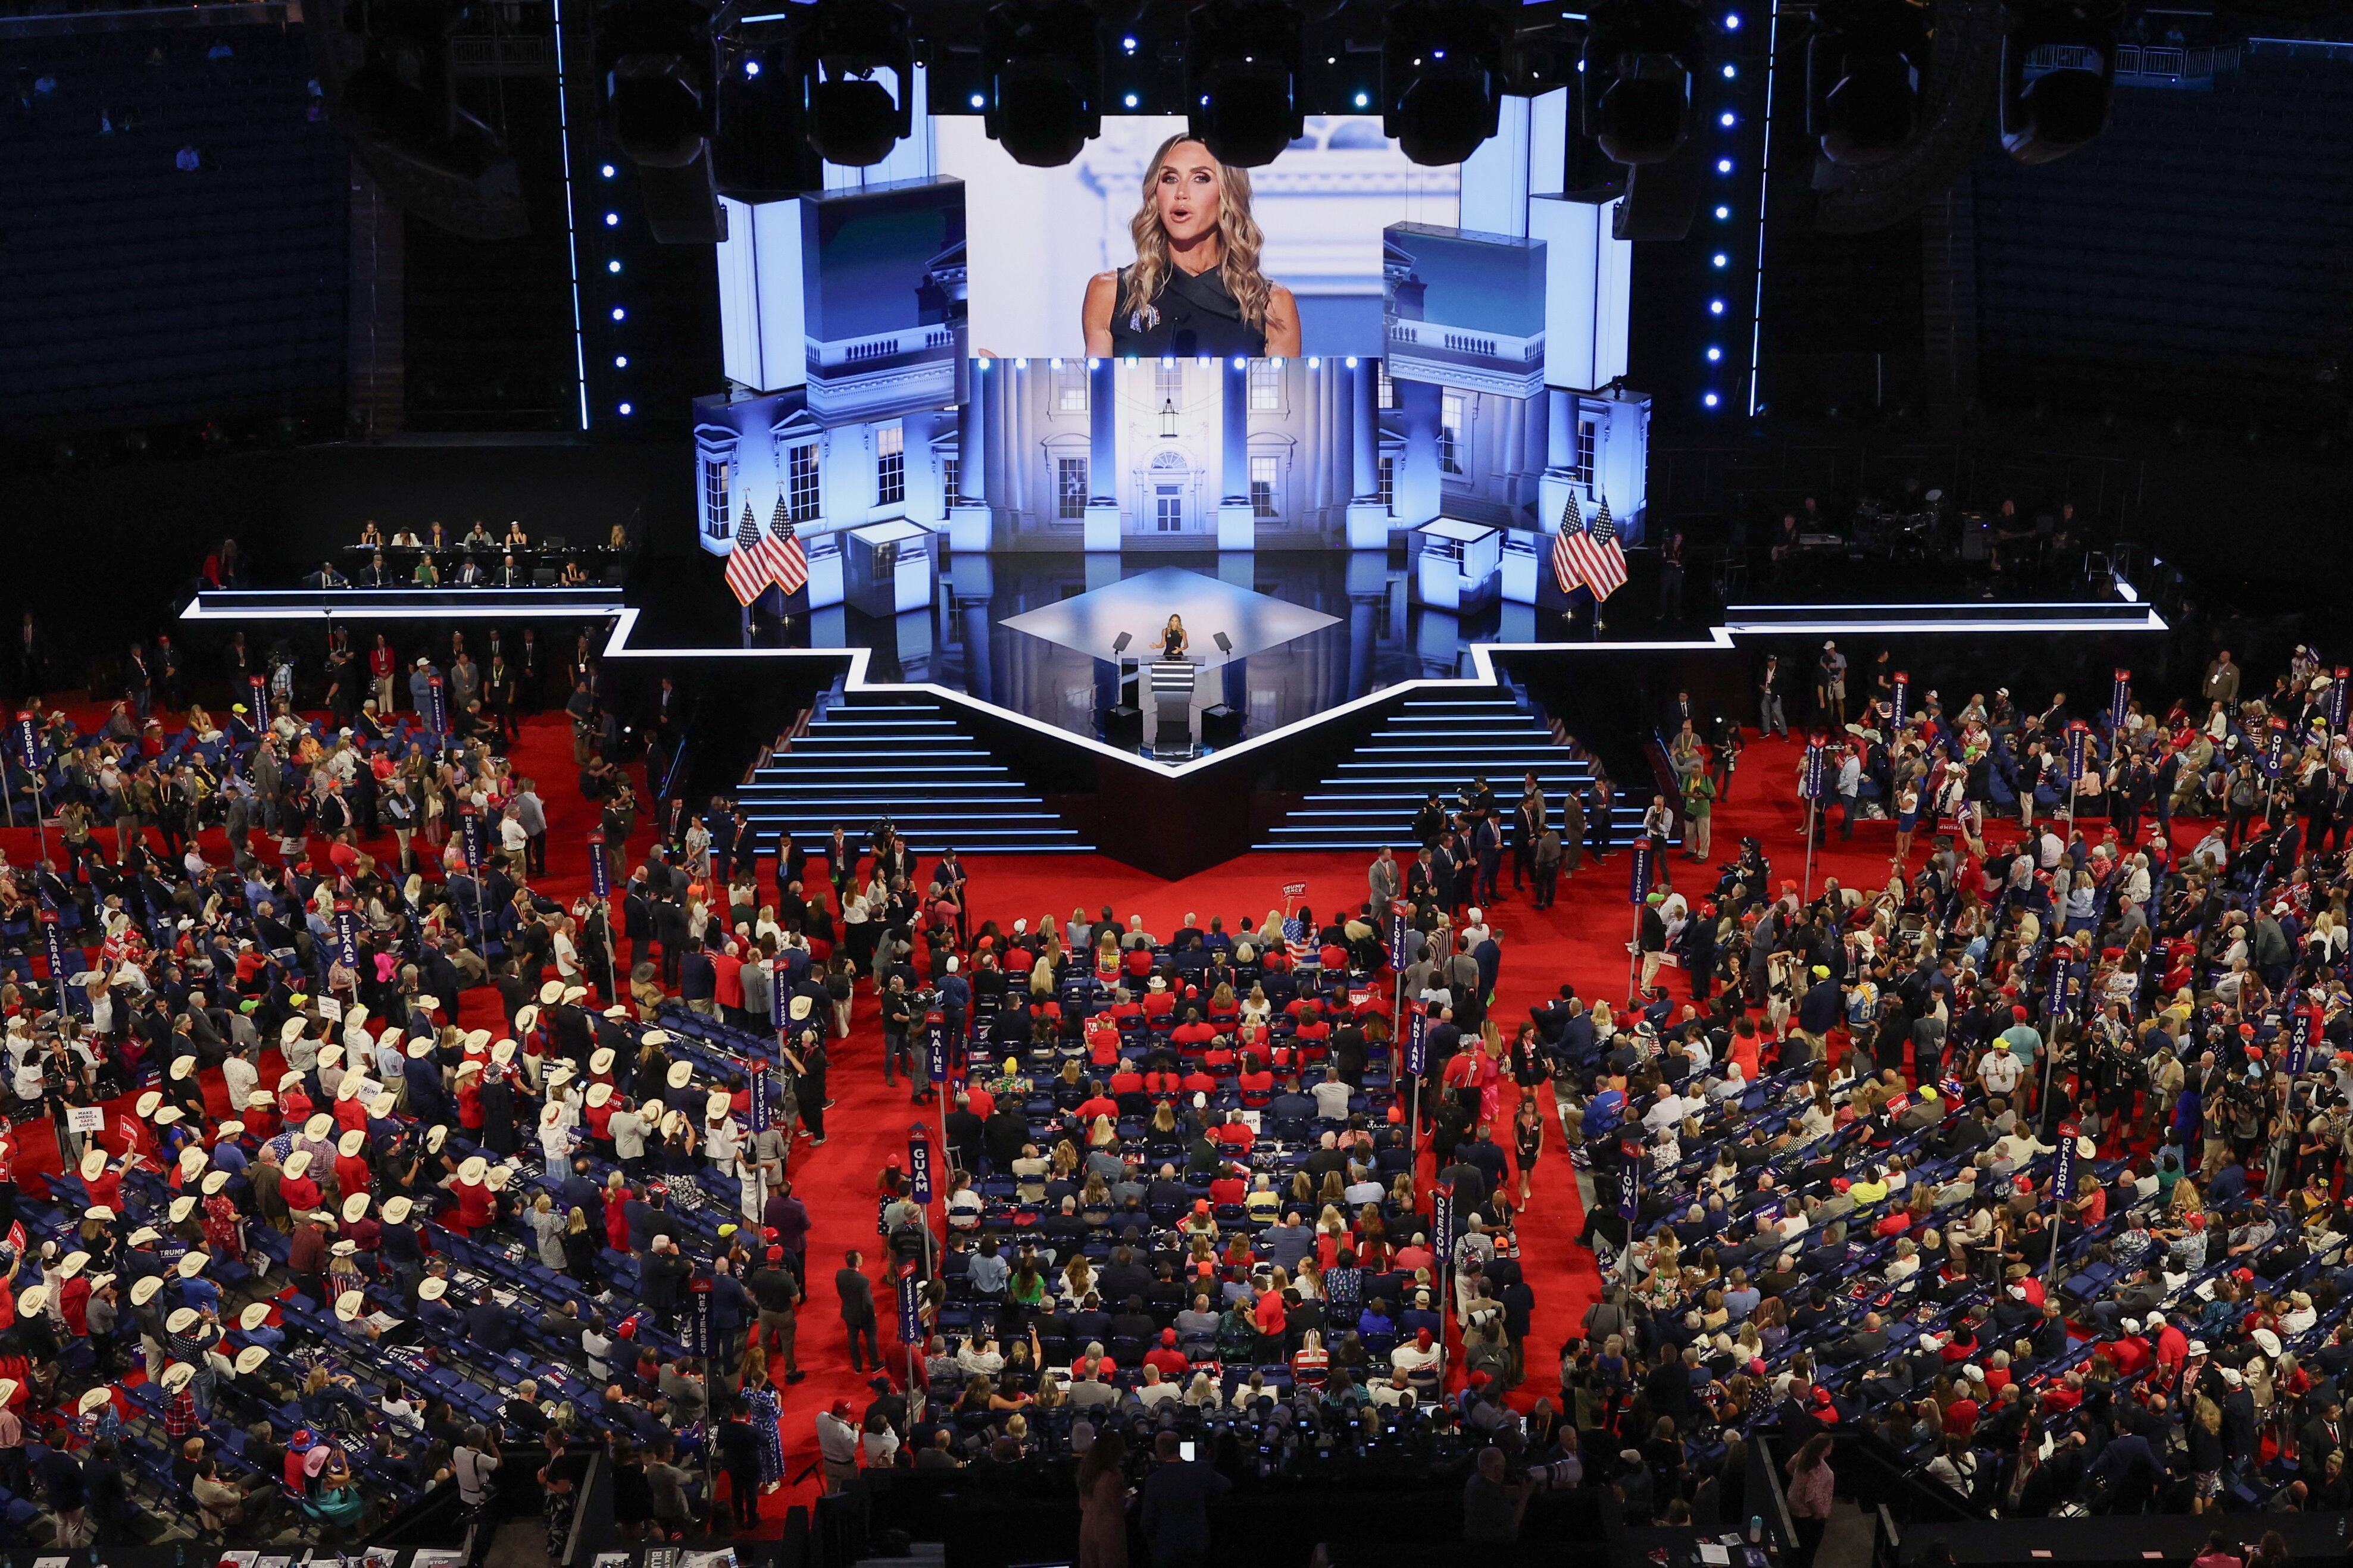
[(2130, 1541), (1370, 1521)]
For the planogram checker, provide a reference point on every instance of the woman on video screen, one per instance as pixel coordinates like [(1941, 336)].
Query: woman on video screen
[(1195, 287)]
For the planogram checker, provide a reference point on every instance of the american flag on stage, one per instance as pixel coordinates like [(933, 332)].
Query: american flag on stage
[(787, 559), (1564, 563), (747, 570), (1596, 556), (1296, 940)]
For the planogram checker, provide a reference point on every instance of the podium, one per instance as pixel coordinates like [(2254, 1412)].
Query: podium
[(1171, 684)]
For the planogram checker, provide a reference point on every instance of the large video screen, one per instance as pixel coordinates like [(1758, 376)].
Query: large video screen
[(1038, 235)]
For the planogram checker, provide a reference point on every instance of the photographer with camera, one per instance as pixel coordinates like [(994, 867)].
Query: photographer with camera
[(1494, 1505)]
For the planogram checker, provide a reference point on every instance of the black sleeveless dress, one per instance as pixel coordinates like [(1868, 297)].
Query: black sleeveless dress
[(1190, 316)]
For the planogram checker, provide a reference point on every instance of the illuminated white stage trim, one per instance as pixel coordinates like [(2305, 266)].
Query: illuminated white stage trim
[(1870, 620)]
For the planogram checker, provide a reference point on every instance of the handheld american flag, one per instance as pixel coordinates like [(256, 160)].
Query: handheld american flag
[(1295, 940), (1564, 564), (789, 556), (1599, 560), (747, 572)]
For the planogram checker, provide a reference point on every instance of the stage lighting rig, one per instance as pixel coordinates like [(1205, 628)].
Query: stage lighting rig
[(761, 149), (853, 119), (1441, 78), (1043, 62), (2054, 104), (657, 79), (1243, 79), (384, 67), (1864, 65), (1640, 56)]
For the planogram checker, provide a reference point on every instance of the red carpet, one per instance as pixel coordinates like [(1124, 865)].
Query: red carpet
[(1581, 941)]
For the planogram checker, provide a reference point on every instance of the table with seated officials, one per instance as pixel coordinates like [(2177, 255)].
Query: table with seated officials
[(478, 558)]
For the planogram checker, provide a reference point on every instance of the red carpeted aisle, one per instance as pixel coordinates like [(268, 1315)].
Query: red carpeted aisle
[(1581, 941)]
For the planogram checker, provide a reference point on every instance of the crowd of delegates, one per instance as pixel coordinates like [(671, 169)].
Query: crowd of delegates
[(312, 1245), (286, 1181), (2026, 1157)]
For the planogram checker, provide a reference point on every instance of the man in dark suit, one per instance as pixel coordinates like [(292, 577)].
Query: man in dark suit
[(857, 1293)]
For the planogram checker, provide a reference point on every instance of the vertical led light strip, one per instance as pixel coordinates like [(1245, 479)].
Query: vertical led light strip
[(1763, 170), (571, 228)]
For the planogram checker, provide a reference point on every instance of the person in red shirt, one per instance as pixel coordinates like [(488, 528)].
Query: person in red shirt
[(727, 982), (1192, 1032), (2130, 1352), (1199, 1082), (104, 1183), (1235, 1135), (469, 1096), (1126, 1081), (1174, 1363), (352, 1172), (300, 1192), (1096, 1104), (597, 1111), (1158, 1003), (1227, 1187), (477, 1204), (1219, 1058), (1257, 1085), (2172, 1344)]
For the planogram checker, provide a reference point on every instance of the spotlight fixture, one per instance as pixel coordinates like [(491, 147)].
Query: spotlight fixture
[(2058, 76), (1864, 70), (761, 147), (1043, 69), (1639, 60), (659, 64), (1441, 78), (657, 79), (1241, 79), (853, 119)]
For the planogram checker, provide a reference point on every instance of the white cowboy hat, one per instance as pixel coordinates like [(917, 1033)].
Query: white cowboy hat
[(600, 1060), (681, 1074), (397, 1210), (101, 1213), (72, 1264), (93, 1164), (213, 1182), (320, 1126), (166, 1116), (192, 1264), (435, 1136), (345, 1250), (497, 1177), (418, 1049), (255, 1313), (503, 1052), (598, 1094), (352, 1143), (143, 1291), (298, 1161), (551, 994), (182, 1207), (144, 1106), (526, 1018), (177, 1376), (91, 1398), (432, 1288), (351, 1304), (249, 1359), (472, 1170)]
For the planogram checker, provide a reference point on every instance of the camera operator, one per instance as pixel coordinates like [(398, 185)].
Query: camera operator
[(1493, 1504)]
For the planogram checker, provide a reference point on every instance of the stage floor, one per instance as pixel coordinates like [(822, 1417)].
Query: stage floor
[(1310, 630)]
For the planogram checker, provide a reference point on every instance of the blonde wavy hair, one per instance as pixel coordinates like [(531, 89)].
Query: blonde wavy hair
[(1239, 243)]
